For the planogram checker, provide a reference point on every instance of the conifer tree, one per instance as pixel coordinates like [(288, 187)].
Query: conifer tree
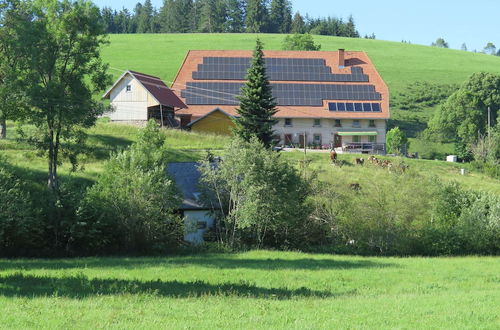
[(298, 24), (235, 21), (257, 104), (145, 18), (280, 16), (256, 16)]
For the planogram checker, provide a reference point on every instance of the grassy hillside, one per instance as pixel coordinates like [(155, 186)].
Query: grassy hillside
[(258, 289), (399, 64)]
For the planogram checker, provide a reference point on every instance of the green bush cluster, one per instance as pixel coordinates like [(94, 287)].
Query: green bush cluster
[(407, 214), (422, 94), (129, 210)]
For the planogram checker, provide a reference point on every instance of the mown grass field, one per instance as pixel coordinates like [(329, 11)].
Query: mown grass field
[(251, 290)]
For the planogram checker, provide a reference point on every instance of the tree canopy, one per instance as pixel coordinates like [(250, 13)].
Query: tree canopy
[(440, 43), (57, 48), (465, 113), (300, 42)]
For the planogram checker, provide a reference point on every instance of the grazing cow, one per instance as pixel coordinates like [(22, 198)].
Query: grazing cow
[(333, 155), (355, 186), (359, 161), (385, 163)]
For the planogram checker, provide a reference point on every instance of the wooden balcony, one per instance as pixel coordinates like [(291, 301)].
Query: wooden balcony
[(364, 148)]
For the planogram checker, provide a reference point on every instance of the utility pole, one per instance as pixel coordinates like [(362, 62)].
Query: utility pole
[(161, 115), (489, 127)]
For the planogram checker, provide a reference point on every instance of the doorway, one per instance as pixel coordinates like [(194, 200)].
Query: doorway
[(337, 141)]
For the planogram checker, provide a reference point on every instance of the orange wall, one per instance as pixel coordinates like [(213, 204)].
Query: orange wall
[(216, 123)]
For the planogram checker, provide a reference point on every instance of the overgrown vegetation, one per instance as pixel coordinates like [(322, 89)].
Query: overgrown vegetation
[(421, 95)]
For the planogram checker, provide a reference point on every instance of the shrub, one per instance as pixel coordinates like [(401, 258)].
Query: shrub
[(131, 207), (397, 142), (262, 198), (21, 227)]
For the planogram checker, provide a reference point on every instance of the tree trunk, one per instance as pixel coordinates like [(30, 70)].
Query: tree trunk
[(3, 128), (52, 179)]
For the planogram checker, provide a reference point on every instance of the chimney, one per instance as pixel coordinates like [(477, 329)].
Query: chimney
[(341, 58)]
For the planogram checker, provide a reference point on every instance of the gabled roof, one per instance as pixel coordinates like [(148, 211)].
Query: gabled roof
[(208, 114), (210, 79), (187, 177), (155, 86)]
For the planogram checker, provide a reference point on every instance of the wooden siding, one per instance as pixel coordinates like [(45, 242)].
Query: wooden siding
[(216, 122)]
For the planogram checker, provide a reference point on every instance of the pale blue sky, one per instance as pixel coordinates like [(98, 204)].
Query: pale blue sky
[(421, 22)]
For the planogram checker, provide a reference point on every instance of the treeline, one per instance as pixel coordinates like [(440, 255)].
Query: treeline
[(222, 16)]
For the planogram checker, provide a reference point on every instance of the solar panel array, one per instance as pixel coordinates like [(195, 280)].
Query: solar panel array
[(278, 69), (356, 107), (223, 93)]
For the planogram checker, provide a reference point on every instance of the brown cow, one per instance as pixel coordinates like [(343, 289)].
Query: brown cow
[(333, 155), (359, 161)]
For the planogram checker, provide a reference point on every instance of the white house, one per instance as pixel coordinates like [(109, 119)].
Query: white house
[(138, 97)]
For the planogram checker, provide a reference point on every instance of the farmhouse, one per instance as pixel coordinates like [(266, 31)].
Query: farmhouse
[(324, 98), (197, 217), (138, 97)]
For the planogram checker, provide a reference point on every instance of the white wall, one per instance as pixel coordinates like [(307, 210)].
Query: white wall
[(191, 219), (328, 129), (130, 106)]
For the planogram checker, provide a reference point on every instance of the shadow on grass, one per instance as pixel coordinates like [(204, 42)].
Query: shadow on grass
[(19, 285), (207, 261), (100, 146)]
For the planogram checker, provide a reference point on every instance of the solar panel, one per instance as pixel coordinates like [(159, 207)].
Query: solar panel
[(348, 106), (278, 69)]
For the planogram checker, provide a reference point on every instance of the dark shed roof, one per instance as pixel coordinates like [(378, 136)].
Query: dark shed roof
[(187, 177), (159, 90)]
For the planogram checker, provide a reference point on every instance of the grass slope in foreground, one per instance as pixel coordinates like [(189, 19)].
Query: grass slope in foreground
[(258, 289)]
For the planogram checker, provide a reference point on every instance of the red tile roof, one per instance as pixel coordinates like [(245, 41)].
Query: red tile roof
[(352, 58)]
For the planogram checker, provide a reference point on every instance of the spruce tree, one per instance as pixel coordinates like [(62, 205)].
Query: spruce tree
[(235, 16), (256, 16), (298, 24), (280, 16), (257, 104)]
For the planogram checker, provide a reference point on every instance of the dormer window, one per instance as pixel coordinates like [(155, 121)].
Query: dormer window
[(129, 88)]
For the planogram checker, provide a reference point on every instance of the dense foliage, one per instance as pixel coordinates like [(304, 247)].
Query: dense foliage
[(56, 46), (228, 16), (396, 141), (131, 207), (300, 42), (257, 104), (407, 214), (420, 95), (259, 199)]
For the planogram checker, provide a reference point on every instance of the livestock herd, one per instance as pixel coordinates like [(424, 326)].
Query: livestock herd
[(372, 160)]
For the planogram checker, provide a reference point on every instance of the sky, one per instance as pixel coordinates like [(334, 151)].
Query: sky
[(474, 23)]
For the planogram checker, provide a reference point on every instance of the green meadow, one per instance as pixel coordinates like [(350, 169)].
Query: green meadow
[(258, 289)]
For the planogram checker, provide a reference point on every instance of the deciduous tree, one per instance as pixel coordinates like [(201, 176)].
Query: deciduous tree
[(57, 45), (300, 42)]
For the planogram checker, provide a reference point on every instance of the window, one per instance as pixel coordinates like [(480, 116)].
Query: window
[(317, 139), (288, 121), (129, 88), (338, 123), (371, 123), (356, 138), (356, 123), (317, 123), (371, 138)]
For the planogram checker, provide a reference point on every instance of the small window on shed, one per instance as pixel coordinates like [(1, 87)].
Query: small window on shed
[(129, 88)]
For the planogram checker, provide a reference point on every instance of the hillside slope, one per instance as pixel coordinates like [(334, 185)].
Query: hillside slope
[(398, 63)]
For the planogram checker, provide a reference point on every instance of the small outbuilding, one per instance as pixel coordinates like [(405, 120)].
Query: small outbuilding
[(139, 97), (197, 217)]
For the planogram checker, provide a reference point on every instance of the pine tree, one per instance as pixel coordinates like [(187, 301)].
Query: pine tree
[(298, 24), (256, 16), (280, 16), (213, 16), (464, 47), (145, 18), (257, 104), (235, 21)]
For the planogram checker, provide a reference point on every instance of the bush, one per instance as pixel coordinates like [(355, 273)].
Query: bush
[(131, 207), (21, 227), (397, 142), (262, 198)]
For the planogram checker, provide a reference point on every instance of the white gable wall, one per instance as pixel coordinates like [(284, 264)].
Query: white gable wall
[(133, 105)]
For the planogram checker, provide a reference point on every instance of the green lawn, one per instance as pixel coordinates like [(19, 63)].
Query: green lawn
[(257, 289)]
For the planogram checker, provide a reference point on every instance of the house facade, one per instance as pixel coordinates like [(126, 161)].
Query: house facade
[(138, 97), (324, 98)]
